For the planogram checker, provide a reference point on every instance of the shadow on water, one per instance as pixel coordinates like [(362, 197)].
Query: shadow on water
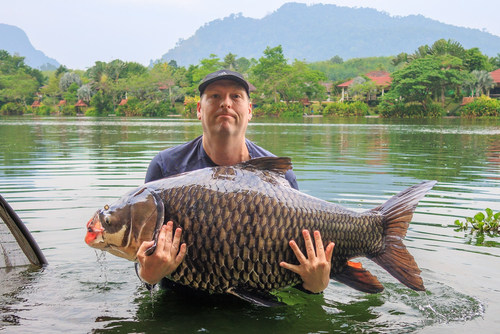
[(341, 310)]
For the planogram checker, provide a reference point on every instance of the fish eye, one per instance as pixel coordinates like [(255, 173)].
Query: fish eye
[(106, 220), (106, 207)]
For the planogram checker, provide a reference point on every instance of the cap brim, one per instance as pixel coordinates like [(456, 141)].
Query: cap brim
[(242, 82)]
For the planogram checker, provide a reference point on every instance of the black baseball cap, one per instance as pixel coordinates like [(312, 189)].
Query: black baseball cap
[(223, 75)]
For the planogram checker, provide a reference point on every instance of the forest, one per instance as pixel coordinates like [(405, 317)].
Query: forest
[(424, 84)]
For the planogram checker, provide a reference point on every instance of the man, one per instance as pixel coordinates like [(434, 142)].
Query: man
[(224, 111)]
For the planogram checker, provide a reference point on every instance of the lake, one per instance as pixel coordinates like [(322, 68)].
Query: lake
[(56, 172)]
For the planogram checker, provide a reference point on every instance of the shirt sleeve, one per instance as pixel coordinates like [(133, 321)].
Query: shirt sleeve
[(292, 179), (154, 171)]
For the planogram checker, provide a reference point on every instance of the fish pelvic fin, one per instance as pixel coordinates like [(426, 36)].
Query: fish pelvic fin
[(394, 257), (354, 275), (274, 164), (258, 298)]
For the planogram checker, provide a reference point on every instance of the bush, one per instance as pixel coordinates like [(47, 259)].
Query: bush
[(280, 109), (357, 108), (190, 104), (409, 110), (68, 110), (43, 110), (91, 112), (482, 106), (131, 108), (12, 109)]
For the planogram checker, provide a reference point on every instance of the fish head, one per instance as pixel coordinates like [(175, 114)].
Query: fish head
[(121, 228)]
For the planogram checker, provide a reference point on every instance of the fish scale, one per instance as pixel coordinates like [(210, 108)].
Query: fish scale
[(265, 213), (237, 221)]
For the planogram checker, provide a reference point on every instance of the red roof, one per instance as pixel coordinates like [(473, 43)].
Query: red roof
[(123, 102), (80, 103), (496, 76), (61, 103), (467, 100), (381, 78), (36, 104)]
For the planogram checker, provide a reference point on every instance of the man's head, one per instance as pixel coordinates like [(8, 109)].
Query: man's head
[(224, 108), (224, 75)]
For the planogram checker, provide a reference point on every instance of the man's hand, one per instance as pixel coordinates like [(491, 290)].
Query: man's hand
[(165, 259), (315, 269)]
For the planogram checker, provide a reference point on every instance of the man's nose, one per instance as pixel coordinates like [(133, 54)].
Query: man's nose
[(226, 102)]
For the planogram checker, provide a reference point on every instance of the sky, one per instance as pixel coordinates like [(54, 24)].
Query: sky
[(78, 33)]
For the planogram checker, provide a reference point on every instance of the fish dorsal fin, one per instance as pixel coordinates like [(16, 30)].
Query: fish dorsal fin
[(274, 164)]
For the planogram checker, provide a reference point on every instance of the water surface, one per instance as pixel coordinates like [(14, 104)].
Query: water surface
[(55, 172)]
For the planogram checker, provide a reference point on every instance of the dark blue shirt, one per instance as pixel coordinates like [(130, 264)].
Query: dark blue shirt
[(191, 156)]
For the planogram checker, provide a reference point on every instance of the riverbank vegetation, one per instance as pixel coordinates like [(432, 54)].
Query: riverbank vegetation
[(427, 83)]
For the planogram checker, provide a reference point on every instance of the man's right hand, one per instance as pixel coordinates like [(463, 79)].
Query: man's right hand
[(165, 259)]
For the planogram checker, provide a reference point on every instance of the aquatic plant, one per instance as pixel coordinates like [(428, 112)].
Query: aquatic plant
[(480, 222)]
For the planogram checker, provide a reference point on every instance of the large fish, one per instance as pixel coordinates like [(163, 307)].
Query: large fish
[(237, 222)]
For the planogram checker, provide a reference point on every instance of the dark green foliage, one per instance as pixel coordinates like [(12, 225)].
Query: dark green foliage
[(102, 103), (43, 110), (357, 108), (482, 106), (280, 109), (135, 107), (12, 109), (346, 70), (60, 70), (410, 110), (68, 110)]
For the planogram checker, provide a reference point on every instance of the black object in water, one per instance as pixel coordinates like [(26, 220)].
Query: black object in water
[(17, 245)]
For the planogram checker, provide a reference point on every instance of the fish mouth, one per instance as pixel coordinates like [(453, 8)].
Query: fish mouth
[(94, 230)]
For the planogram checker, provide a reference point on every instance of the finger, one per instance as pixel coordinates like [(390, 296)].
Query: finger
[(144, 246), (329, 252), (320, 251), (291, 267), (168, 236), (309, 245), (162, 236), (298, 253), (177, 240), (180, 256)]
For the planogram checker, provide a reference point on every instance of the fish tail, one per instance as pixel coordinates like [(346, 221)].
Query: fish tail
[(394, 257)]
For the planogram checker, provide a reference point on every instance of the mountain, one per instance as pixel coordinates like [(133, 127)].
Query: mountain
[(15, 40), (319, 32)]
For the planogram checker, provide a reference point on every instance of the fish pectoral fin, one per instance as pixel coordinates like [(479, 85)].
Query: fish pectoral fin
[(258, 298), (357, 277)]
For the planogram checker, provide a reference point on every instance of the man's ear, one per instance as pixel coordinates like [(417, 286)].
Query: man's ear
[(250, 109), (198, 110)]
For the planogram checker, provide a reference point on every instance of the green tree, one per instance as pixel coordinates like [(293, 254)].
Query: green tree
[(18, 87), (271, 71), (475, 60), (415, 82), (52, 90), (61, 70), (229, 62)]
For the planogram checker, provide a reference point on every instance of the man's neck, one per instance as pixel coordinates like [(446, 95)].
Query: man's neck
[(226, 151)]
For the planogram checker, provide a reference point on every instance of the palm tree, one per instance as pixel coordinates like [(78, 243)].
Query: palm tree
[(484, 82)]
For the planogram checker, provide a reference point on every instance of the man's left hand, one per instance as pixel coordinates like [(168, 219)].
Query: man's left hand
[(315, 269)]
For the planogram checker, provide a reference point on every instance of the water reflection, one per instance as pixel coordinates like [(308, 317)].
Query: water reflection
[(56, 172)]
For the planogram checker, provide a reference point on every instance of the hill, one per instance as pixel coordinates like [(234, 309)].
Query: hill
[(319, 32), (15, 40)]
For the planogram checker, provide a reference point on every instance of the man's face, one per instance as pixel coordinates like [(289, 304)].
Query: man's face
[(224, 108)]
